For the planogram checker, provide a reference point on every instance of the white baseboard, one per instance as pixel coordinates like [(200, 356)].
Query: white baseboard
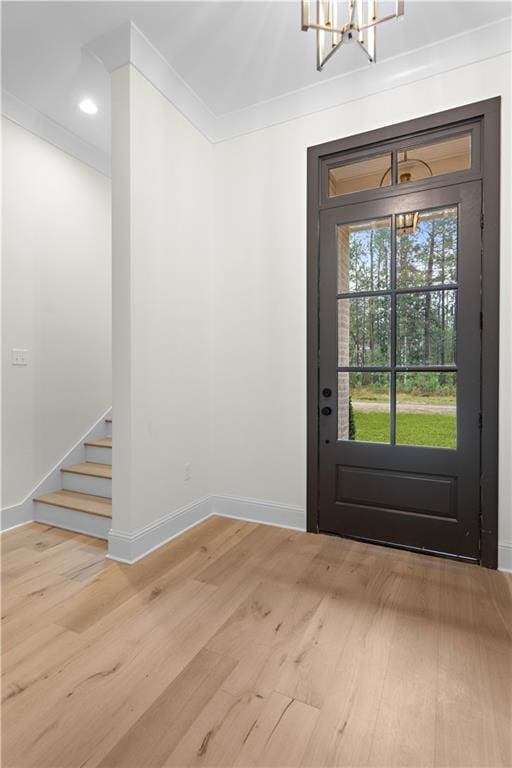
[(16, 516), (130, 547), (505, 556), (258, 511), (25, 511)]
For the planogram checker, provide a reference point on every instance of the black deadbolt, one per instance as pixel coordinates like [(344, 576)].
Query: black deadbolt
[(326, 411), (327, 392)]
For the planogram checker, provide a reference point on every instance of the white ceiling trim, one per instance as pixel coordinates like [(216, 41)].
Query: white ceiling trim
[(43, 126), (412, 67), (128, 45)]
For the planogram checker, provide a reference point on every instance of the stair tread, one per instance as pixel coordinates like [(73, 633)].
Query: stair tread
[(91, 468), (109, 419), (101, 442), (82, 502)]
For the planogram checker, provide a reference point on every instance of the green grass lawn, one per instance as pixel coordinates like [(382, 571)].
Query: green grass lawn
[(371, 394), (434, 429)]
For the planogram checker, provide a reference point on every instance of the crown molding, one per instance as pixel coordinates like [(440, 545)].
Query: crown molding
[(408, 68), (128, 45), (43, 126)]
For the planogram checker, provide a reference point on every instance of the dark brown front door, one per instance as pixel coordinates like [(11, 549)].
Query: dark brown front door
[(399, 369)]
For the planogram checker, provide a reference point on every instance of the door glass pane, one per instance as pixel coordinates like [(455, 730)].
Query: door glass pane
[(363, 331), (426, 409), (364, 254), (355, 177), (425, 328), (426, 250), (434, 159), (363, 407)]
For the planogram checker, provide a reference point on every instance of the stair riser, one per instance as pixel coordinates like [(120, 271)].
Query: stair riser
[(73, 520), (98, 486), (98, 455)]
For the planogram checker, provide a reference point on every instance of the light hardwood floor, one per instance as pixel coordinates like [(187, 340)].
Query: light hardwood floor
[(246, 645)]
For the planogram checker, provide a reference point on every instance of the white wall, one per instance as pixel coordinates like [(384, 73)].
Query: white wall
[(162, 202), (56, 299), (259, 286)]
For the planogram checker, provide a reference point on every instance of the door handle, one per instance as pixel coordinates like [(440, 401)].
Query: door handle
[(326, 410)]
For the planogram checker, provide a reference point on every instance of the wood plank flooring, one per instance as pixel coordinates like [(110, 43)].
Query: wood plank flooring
[(246, 645)]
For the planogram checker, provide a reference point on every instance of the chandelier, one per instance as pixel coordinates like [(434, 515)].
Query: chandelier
[(362, 20), (409, 169)]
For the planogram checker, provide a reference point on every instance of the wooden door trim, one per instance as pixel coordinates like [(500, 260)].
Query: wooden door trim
[(487, 113)]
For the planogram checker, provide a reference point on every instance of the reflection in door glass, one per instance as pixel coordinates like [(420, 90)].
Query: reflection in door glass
[(364, 255), (425, 324), (426, 251), (436, 159), (371, 173), (363, 407), (426, 409), (363, 331)]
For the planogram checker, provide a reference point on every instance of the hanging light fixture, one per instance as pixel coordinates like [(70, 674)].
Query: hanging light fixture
[(360, 26), (406, 223), (408, 169)]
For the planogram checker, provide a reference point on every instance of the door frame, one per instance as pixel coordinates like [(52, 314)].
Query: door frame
[(486, 115)]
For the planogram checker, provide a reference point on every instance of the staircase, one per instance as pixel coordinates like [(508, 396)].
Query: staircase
[(84, 503)]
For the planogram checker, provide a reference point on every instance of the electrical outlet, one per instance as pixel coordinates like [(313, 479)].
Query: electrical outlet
[(19, 356), (188, 468)]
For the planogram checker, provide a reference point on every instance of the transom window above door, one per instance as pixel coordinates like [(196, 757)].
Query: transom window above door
[(404, 164), (397, 323)]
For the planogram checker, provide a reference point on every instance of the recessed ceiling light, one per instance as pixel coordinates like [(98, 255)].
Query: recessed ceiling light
[(88, 106)]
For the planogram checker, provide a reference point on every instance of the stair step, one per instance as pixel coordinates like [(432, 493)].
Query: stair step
[(109, 419), (91, 469), (82, 502), (102, 442)]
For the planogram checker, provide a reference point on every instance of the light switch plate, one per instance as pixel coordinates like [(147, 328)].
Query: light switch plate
[(19, 356)]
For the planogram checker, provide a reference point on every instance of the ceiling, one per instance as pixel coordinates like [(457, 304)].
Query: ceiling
[(231, 54)]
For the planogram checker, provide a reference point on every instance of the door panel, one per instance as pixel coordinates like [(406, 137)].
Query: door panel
[(399, 370), (401, 491)]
